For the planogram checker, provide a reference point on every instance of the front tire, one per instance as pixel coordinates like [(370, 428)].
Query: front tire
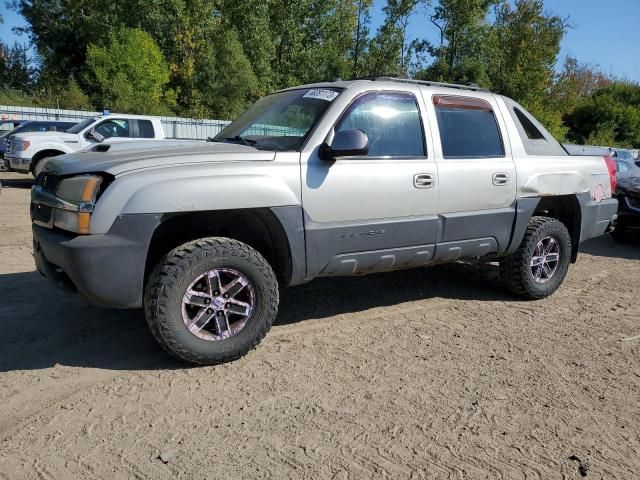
[(211, 300), (540, 264), (38, 166)]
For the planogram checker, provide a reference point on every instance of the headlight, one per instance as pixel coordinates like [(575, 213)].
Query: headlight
[(79, 195), (21, 145), (82, 189)]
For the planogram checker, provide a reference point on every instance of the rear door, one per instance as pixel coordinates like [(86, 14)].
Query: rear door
[(477, 184), (144, 129)]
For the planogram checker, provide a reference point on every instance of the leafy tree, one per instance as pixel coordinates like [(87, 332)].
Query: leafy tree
[(464, 44), (224, 77), (15, 67), (129, 73), (522, 63), (390, 50), (250, 19), (360, 36), (74, 98), (611, 116), (62, 29)]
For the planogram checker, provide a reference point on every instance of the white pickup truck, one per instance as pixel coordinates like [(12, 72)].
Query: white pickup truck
[(28, 152)]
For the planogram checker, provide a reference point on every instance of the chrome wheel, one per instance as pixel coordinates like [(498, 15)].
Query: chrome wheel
[(218, 304), (545, 259)]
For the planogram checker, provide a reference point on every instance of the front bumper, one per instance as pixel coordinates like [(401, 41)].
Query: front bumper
[(106, 269), (18, 164)]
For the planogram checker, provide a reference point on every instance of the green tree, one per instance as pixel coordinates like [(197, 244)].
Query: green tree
[(360, 36), (526, 43), (390, 50), (15, 67), (224, 77), (464, 45), (129, 73), (610, 117), (250, 19), (74, 98), (62, 29)]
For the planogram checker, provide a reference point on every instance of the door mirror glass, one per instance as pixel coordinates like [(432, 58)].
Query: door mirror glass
[(346, 143)]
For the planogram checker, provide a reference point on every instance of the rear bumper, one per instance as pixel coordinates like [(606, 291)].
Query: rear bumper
[(598, 218), (106, 269)]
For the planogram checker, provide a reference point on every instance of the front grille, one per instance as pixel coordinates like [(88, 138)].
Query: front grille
[(43, 213), (634, 203), (11, 145)]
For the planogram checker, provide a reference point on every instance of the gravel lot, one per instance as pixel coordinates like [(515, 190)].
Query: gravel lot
[(430, 373)]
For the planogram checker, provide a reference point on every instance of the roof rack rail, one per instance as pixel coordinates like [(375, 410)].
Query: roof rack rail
[(468, 86)]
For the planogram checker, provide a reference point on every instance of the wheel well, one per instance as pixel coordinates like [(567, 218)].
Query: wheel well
[(565, 208), (43, 154), (258, 228)]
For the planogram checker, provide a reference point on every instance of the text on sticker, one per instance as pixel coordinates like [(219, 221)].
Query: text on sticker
[(321, 94)]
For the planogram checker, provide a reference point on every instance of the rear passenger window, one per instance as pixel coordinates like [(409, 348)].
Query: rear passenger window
[(390, 120), (529, 128), (145, 129), (468, 127)]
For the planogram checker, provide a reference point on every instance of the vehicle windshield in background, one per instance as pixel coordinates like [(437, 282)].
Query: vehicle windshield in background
[(81, 126), (280, 121), (624, 155)]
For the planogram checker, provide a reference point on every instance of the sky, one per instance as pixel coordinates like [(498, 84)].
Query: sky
[(604, 33)]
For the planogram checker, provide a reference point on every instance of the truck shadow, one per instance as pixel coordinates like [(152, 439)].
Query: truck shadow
[(605, 246), (16, 182), (42, 327)]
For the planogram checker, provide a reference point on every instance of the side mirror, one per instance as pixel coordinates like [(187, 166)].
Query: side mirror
[(95, 135), (345, 143)]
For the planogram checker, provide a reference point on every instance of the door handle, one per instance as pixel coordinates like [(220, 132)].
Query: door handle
[(500, 178), (424, 180)]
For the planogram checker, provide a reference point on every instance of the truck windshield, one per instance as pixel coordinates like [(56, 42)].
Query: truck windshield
[(280, 121), (81, 126)]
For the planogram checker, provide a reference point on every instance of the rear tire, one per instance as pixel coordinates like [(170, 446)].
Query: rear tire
[(212, 339), (532, 271)]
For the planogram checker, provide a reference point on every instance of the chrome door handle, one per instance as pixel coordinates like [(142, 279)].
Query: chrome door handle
[(424, 180), (499, 179)]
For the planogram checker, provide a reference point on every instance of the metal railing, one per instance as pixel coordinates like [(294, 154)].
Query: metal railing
[(174, 127)]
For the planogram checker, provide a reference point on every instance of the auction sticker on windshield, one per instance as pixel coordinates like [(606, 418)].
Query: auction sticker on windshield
[(321, 94)]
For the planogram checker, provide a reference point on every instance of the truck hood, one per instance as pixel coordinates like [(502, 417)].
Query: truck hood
[(156, 155), (35, 137)]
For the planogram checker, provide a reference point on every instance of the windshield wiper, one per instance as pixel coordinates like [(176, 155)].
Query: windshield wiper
[(245, 141), (238, 139)]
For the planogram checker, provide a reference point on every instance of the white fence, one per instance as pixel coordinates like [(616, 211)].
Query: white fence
[(174, 127)]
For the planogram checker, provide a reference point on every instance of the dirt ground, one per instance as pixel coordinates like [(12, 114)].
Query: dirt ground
[(430, 373)]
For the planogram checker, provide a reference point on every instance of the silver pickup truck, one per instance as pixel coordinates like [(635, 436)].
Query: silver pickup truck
[(339, 178)]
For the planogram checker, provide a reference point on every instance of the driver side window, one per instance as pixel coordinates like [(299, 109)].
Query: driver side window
[(113, 128), (391, 121)]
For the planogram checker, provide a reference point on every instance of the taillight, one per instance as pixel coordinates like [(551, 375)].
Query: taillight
[(612, 167)]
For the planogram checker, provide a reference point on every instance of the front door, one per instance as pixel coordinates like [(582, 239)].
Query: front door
[(379, 211)]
